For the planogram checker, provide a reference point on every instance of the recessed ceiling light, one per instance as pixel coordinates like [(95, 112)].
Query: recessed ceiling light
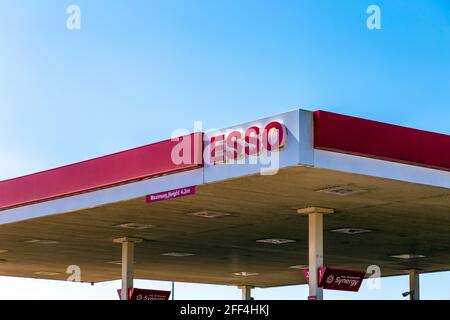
[(299, 266), (177, 254), (135, 226), (245, 274), (351, 230), (408, 256), (208, 214), (42, 241), (275, 241), (118, 262), (342, 190), (46, 273), (3, 251)]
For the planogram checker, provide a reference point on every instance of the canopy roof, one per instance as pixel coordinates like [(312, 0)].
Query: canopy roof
[(401, 198)]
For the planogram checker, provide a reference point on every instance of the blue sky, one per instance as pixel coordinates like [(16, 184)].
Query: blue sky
[(137, 70)]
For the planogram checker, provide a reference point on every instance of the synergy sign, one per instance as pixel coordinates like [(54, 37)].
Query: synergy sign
[(338, 279), (235, 145), (146, 295)]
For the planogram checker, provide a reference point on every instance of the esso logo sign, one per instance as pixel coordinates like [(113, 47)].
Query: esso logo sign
[(237, 144), (330, 279)]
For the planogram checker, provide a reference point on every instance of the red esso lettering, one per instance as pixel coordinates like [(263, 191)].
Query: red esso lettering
[(252, 144), (272, 138)]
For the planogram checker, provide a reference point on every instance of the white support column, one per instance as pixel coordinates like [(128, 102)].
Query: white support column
[(246, 292), (127, 264), (315, 247), (414, 287)]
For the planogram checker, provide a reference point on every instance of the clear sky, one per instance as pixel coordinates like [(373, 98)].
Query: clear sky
[(137, 70)]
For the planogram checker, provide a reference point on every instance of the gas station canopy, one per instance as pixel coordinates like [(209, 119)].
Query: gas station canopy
[(388, 187)]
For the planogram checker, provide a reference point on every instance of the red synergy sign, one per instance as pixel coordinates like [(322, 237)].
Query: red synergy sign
[(338, 279), (170, 194), (144, 294), (235, 144)]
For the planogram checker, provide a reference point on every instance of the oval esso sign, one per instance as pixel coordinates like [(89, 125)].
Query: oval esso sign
[(237, 144)]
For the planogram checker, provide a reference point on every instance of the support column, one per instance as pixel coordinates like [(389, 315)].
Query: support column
[(315, 247), (127, 264), (246, 292), (414, 288)]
